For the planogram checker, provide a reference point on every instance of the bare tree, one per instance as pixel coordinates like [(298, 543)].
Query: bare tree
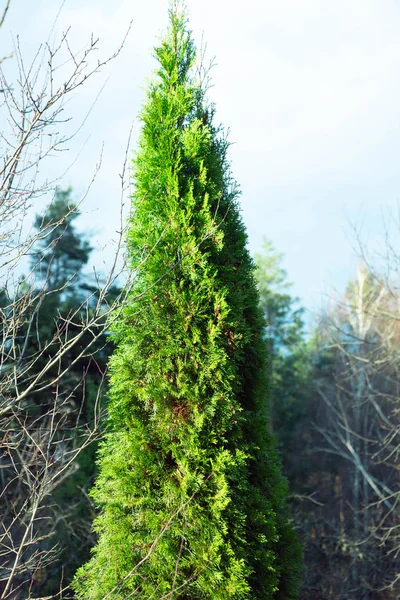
[(361, 429), (39, 451)]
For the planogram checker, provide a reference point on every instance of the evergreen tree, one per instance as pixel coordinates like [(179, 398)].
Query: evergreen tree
[(289, 363), (59, 291), (59, 257), (57, 262), (191, 496)]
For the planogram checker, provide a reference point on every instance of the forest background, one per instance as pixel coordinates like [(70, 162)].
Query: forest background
[(314, 168)]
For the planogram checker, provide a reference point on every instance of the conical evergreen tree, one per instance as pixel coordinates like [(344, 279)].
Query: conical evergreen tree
[(191, 496)]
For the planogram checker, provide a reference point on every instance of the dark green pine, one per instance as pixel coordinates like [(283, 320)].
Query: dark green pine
[(192, 502)]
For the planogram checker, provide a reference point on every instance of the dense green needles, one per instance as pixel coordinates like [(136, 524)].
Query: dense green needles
[(192, 502)]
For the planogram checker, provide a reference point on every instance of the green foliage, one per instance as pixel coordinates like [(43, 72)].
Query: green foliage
[(191, 496)]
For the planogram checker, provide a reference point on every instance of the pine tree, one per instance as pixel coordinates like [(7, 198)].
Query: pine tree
[(191, 496), (61, 253), (57, 262)]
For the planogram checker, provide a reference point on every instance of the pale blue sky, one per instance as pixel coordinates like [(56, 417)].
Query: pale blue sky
[(310, 90)]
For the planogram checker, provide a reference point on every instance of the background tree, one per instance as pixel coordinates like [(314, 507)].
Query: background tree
[(59, 257), (32, 463), (191, 496), (343, 483), (59, 263), (360, 394), (289, 364), (57, 260), (335, 404)]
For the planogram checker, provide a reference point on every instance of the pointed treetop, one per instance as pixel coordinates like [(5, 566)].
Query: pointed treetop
[(178, 8), (176, 52)]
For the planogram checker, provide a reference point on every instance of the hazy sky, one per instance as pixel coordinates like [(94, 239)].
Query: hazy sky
[(310, 90)]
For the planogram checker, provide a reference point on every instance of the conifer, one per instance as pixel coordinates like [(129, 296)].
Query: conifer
[(192, 502)]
